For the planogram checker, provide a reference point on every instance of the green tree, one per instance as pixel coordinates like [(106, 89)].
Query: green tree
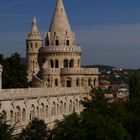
[(14, 73), (5, 130), (35, 130)]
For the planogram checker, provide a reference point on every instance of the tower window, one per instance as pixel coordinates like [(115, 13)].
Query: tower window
[(31, 45), (57, 42), (56, 82), (48, 43), (66, 63), (56, 64), (52, 64), (36, 45), (67, 42)]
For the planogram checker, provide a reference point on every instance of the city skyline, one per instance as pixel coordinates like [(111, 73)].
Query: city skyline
[(107, 31)]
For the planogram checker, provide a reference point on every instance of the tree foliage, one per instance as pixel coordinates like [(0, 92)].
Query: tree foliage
[(35, 130), (14, 73)]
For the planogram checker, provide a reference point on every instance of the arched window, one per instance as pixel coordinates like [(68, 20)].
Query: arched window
[(52, 63), (32, 112), (82, 82), (36, 45), (68, 83), (24, 115), (47, 111), (67, 42), (77, 82), (66, 63), (37, 111), (61, 107), (71, 63), (56, 64), (95, 82), (47, 43), (42, 111), (89, 82), (18, 115), (31, 45), (12, 117), (57, 42), (56, 82)]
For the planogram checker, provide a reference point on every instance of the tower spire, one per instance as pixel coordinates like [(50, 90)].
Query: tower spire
[(60, 21)]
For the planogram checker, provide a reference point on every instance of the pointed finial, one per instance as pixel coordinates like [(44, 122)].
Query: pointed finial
[(34, 25)]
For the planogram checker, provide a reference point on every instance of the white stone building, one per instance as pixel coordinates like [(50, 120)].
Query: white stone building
[(54, 70)]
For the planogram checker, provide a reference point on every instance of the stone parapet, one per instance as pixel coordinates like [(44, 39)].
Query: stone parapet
[(19, 94), (79, 71), (52, 71), (59, 49)]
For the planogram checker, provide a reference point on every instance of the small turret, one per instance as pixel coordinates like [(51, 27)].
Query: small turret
[(33, 44)]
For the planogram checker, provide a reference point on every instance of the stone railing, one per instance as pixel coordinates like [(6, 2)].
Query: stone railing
[(52, 71), (61, 49), (20, 94), (78, 71)]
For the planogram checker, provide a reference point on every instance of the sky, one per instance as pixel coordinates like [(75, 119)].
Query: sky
[(107, 30)]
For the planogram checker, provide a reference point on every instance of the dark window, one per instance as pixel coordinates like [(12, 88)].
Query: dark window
[(31, 45), (68, 83), (48, 43), (71, 63), (56, 82), (36, 45), (56, 64), (57, 42), (67, 42), (52, 64), (77, 82), (66, 64)]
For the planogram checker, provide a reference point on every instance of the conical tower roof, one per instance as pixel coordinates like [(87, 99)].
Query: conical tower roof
[(60, 21), (34, 33)]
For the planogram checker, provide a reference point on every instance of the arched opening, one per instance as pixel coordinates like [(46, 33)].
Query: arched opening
[(71, 63), (47, 43), (69, 83), (95, 82), (52, 63), (47, 111), (76, 105), (18, 115), (65, 109), (57, 42), (36, 45), (4, 115), (70, 107), (53, 111), (61, 107), (78, 82), (67, 42), (82, 82), (56, 64), (56, 82), (89, 82), (24, 115), (42, 111), (32, 112), (37, 112), (31, 45), (12, 117), (66, 63)]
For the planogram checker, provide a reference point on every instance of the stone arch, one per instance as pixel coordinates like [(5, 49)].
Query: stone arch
[(18, 115), (78, 82), (66, 63), (67, 42), (82, 82), (12, 117), (53, 111), (94, 82), (61, 107), (32, 112), (70, 106), (69, 82), (47, 111), (71, 63), (24, 115), (42, 111), (89, 82)]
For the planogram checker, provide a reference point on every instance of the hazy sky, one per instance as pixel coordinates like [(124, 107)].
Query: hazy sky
[(107, 30)]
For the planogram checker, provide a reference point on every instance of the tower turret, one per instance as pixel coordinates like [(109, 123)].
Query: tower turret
[(33, 44)]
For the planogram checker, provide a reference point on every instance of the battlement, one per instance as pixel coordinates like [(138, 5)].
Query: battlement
[(80, 71)]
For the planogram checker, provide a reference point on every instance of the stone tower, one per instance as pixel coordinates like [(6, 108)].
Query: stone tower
[(33, 44), (60, 58)]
